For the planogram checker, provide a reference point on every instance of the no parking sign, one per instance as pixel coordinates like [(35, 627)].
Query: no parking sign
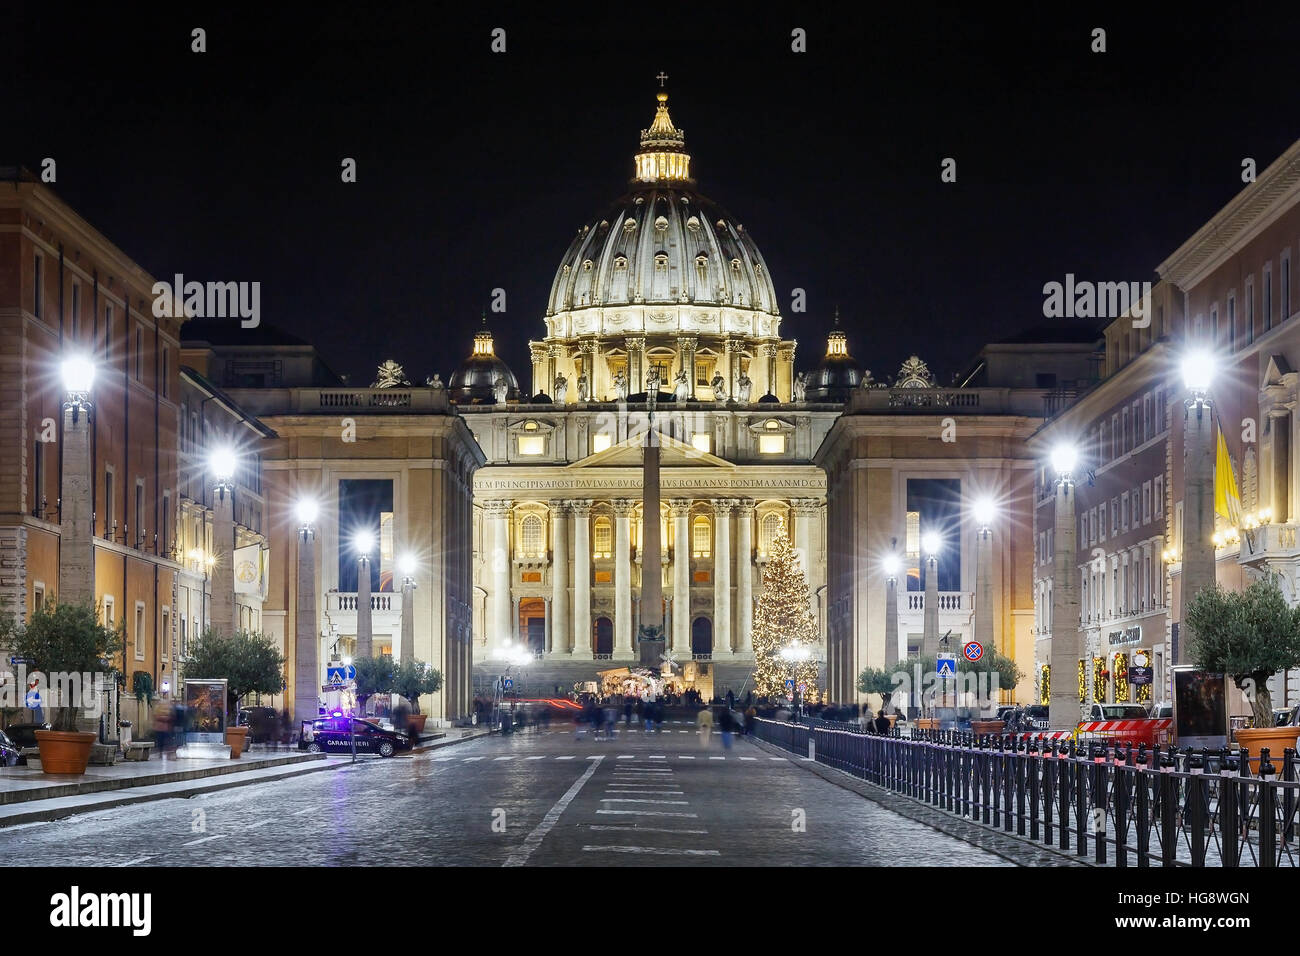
[(974, 651)]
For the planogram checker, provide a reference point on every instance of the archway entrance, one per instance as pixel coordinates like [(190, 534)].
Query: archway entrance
[(532, 623), (702, 638), (604, 633)]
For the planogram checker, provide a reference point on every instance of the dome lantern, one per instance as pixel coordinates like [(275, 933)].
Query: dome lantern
[(663, 157)]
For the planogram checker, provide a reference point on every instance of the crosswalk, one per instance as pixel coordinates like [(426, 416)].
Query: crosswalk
[(453, 759)]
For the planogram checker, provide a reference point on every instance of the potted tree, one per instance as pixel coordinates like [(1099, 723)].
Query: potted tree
[(248, 660), (374, 676), (67, 639), (412, 679), (873, 680), (1248, 635)]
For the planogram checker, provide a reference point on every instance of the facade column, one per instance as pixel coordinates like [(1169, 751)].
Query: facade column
[(590, 349), (686, 345), (498, 513), (408, 619), (732, 349), (547, 644), (1198, 507), (1063, 704), (582, 641), (538, 354), (635, 363), (680, 509), (805, 511), (769, 362), (745, 576), (722, 575), (559, 634), (622, 578), (516, 632)]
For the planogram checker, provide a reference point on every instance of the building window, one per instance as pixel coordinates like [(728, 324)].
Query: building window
[(38, 287), (532, 444), (1284, 300), (1146, 502), (602, 538), (1123, 431), (108, 611), (1250, 309), (164, 529), (139, 354), (702, 540), (139, 513), (139, 630), (110, 505), (166, 632), (1266, 293), (75, 302), (1114, 517), (1232, 322), (166, 372), (1114, 437), (1214, 324), (1158, 496), (533, 543), (1123, 511), (184, 638), (768, 531), (108, 329)]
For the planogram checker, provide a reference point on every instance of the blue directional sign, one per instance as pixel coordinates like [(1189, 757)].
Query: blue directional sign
[(946, 665), (340, 674)]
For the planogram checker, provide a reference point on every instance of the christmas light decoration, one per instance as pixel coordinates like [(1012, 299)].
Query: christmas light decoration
[(1045, 685), (782, 618)]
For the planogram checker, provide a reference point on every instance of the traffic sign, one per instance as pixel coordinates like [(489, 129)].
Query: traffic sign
[(507, 683), (974, 650), (946, 665), (340, 675)]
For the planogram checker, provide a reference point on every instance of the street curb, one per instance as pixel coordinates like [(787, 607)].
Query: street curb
[(124, 796), (1016, 849)]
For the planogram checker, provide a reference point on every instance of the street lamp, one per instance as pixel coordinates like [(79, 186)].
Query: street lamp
[(984, 511), (1199, 463), (1064, 457), (891, 565), (931, 544), (223, 462), (407, 565), (76, 485), (1063, 706), (307, 677), (1198, 368), (363, 541), (78, 373), (794, 654)]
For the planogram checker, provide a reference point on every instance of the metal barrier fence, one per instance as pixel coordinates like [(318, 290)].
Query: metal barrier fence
[(1120, 804)]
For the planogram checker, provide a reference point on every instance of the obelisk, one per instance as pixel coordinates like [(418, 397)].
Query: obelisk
[(651, 636)]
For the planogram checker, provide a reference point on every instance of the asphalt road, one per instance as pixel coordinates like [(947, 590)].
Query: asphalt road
[(533, 798)]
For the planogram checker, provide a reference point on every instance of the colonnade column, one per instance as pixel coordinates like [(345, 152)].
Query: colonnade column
[(622, 578), (722, 575), (561, 631), (498, 513), (745, 576), (680, 509), (769, 361), (583, 642)]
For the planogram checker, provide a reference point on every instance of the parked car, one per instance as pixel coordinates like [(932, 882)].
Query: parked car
[(1117, 712), (10, 752), (263, 723), (335, 735), (1162, 712), (1284, 717), (1037, 714)]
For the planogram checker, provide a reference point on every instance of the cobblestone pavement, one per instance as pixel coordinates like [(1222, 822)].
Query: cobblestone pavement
[(533, 798)]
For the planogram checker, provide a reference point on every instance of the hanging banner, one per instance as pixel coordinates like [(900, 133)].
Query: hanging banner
[(248, 570)]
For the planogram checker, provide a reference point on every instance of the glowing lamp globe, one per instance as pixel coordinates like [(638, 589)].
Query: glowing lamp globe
[(890, 564), (1198, 371), (78, 373), (407, 564), (1064, 458), (364, 541), (307, 510), (223, 461), (931, 542), (984, 511)]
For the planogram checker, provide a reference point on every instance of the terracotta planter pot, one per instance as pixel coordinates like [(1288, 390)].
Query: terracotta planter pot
[(235, 737), (983, 728), (417, 722), (1276, 739), (64, 751)]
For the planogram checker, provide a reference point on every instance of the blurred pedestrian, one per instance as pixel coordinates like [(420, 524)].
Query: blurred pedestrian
[(882, 724), (627, 712), (704, 724), (727, 724)]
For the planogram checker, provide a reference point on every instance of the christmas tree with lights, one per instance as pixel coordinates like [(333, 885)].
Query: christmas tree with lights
[(783, 622)]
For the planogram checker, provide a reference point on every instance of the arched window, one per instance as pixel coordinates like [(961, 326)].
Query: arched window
[(702, 638), (533, 543), (769, 529), (701, 539), (602, 538)]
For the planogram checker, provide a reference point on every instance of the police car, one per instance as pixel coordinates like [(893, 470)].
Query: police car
[(335, 735)]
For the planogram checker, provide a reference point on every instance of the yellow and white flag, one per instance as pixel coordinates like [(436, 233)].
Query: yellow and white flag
[(1227, 499)]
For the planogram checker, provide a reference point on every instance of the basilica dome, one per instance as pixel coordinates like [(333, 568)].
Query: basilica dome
[(475, 380), (838, 373), (662, 244)]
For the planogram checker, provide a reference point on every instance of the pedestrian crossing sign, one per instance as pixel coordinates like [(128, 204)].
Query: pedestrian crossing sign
[(947, 665)]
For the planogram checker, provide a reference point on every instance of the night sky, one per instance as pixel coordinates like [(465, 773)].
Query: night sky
[(475, 169)]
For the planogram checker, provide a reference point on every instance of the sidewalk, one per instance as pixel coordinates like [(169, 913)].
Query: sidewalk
[(31, 796)]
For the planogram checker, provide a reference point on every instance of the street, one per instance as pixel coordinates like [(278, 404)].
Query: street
[(535, 798)]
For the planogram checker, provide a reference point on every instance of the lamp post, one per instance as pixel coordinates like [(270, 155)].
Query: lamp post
[(1198, 571), (407, 565), (795, 654), (76, 520), (984, 512), (306, 684), (931, 543), (364, 541), (891, 566), (1064, 705), (223, 463)]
